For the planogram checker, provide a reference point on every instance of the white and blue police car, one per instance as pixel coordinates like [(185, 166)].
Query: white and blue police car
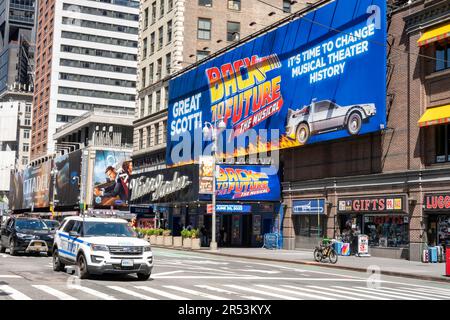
[(101, 246)]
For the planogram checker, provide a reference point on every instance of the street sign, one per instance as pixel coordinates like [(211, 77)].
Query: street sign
[(363, 245)]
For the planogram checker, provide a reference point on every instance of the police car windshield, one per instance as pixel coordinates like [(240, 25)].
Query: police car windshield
[(108, 229), (35, 224)]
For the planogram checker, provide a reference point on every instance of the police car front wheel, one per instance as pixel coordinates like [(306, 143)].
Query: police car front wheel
[(143, 276), (82, 266), (57, 264)]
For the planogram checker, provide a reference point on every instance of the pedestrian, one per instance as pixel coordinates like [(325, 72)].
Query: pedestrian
[(204, 236), (189, 227)]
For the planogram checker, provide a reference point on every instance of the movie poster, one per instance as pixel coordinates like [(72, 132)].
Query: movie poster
[(67, 186), (112, 171), (37, 186)]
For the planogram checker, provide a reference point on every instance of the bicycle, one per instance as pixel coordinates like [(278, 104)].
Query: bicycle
[(323, 252)]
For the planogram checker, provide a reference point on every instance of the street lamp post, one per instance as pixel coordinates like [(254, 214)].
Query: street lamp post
[(215, 130)]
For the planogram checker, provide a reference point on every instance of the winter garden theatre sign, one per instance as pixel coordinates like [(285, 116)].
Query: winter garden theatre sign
[(158, 186)]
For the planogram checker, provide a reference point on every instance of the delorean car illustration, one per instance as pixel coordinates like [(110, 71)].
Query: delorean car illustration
[(325, 116)]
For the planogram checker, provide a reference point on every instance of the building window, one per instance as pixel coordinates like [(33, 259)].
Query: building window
[(205, 3), (141, 139), (158, 100), (26, 147), (159, 69), (144, 49), (202, 54), (443, 143), (169, 31), (204, 29), (442, 57), (161, 7), (166, 97), (169, 5), (143, 76), (160, 40), (287, 6), (146, 18), (150, 73), (152, 43), (149, 134), (234, 4), (26, 134), (233, 31), (142, 113), (168, 62), (27, 121), (309, 226), (153, 12), (24, 160), (150, 103)]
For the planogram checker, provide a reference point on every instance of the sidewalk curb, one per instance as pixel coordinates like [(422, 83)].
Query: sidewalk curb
[(309, 263)]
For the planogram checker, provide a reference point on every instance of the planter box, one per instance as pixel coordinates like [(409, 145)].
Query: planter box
[(187, 243), (168, 241), (152, 239), (177, 242), (195, 244), (159, 240)]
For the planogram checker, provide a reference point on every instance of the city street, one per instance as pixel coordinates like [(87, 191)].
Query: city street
[(185, 275)]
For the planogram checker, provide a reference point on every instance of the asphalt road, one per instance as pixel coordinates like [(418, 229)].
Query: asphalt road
[(196, 276)]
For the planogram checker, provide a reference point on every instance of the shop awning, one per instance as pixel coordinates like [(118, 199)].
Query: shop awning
[(435, 34), (435, 116)]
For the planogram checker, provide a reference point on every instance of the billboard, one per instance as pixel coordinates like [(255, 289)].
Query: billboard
[(247, 183), (37, 186), (319, 77), (15, 195), (67, 188), (112, 170), (206, 167)]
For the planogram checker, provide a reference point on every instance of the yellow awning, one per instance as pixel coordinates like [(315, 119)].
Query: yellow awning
[(435, 34), (435, 116)]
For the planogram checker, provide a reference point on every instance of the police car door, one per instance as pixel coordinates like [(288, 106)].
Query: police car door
[(74, 242), (64, 239)]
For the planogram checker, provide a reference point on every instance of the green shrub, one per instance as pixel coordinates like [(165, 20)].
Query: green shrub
[(195, 233), (185, 233), (167, 232)]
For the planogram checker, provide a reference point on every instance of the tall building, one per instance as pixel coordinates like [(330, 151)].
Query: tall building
[(175, 34), (17, 41), (86, 58)]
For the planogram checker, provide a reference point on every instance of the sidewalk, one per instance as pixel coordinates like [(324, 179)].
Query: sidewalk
[(392, 267)]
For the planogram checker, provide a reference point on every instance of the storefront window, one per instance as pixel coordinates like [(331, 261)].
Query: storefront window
[(309, 225), (442, 143), (439, 230), (386, 230)]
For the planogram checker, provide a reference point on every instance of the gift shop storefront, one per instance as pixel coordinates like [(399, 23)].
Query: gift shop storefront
[(384, 219)]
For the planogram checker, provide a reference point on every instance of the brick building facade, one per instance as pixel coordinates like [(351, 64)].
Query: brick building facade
[(406, 162)]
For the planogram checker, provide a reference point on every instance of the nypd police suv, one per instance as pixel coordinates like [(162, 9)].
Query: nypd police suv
[(101, 245)]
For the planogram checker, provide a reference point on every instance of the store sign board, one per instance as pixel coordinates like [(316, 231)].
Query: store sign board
[(437, 202), (392, 203), (243, 208), (308, 206), (303, 72)]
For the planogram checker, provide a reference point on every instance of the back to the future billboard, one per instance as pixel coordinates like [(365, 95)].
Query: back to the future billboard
[(319, 77)]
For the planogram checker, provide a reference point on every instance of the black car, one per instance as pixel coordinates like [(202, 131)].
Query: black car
[(52, 224), (30, 235)]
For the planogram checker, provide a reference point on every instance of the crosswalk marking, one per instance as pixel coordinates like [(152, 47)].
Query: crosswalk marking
[(431, 291), (388, 293), (428, 296), (162, 293), (10, 276), (438, 290), (227, 292), (131, 293), (13, 293), (196, 293), (346, 291), (374, 292), (334, 292), (274, 295), (56, 293), (93, 292), (298, 291), (165, 273)]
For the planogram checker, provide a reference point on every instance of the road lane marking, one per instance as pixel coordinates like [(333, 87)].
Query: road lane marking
[(196, 293), (382, 292), (428, 291), (298, 291), (131, 293), (384, 296), (265, 293), (256, 270), (93, 292), (162, 293), (56, 293), (203, 286), (3, 255), (155, 275), (10, 276), (427, 296), (333, 292), (13, 293), (244, 277)]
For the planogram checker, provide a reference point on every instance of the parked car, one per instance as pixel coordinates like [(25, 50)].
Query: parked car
[(52, 224), (101, 245), (325, 116), (29, 235)]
